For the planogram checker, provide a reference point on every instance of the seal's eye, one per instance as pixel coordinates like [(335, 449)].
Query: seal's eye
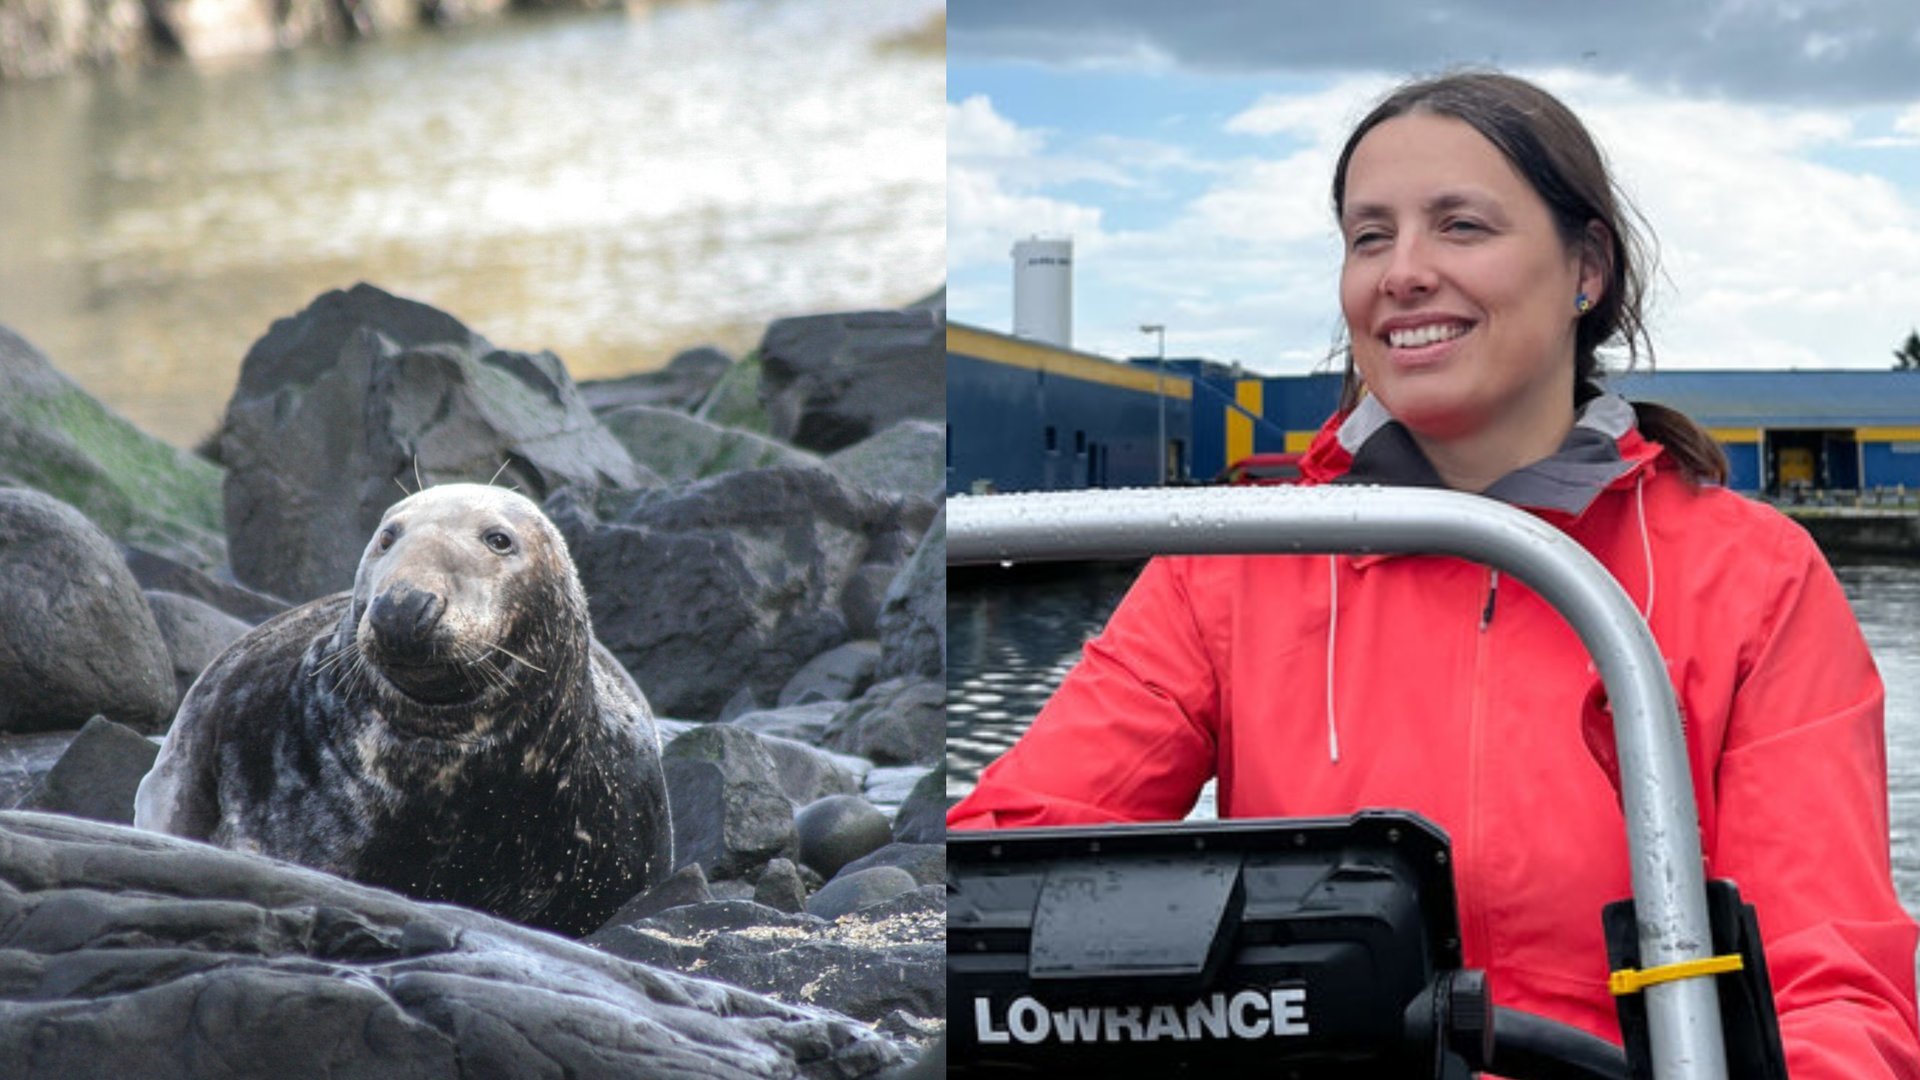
[(387, 537), (500, 541)]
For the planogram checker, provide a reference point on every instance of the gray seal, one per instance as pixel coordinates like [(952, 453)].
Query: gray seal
[(450, 729)]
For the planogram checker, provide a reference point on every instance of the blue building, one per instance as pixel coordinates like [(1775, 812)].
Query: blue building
[(1027, 416)]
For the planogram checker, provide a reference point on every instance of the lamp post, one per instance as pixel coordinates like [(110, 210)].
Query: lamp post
[(1160, 394)]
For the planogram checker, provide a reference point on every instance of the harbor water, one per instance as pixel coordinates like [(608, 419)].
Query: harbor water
[(612, 186), (1013, 635)]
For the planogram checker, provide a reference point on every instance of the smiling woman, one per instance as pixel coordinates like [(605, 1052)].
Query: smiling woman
[(1486, 263)]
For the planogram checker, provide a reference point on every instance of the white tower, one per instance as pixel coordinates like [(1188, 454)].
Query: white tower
[(1043, 290)]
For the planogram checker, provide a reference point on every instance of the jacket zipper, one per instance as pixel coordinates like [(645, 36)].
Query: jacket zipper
[(1476, 740)]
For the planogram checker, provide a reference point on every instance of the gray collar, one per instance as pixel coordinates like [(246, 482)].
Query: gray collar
[(1588, 460)]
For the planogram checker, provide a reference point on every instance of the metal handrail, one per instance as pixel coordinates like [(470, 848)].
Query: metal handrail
[(1656, 789)]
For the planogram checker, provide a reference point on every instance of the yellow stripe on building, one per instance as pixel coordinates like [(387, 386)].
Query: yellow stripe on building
[(1299, 441), (1249, 394), (1887, 434), (1734, 435), (1065, 363)]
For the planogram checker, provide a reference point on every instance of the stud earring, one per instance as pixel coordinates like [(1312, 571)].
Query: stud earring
[(1582, 304)]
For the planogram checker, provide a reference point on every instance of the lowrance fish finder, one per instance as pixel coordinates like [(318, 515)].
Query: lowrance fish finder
[(1183, 949)]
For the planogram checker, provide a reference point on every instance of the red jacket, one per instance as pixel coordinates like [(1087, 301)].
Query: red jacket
[(1315, 685)]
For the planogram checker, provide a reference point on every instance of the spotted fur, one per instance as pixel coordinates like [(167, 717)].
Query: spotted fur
[(515, 773)]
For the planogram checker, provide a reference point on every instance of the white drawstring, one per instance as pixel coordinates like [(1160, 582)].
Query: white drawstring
[(1333, 630), (1646, 542)]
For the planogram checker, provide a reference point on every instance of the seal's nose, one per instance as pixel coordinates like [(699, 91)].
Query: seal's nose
[(403, 618)]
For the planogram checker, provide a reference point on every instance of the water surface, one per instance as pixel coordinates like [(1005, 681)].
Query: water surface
[(613, 187), (1013, 635)]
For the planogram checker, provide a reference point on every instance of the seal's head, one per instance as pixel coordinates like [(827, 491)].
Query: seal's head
[(463, 590)]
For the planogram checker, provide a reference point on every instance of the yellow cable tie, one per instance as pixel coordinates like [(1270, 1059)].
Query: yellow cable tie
[(1633, 980)]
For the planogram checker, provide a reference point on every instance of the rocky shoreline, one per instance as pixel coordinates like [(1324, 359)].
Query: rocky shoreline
[(39, 38), (763, 549)]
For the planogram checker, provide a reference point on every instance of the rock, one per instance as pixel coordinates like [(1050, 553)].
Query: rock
[(838, 829), (805, 772), (124, 953), (97, 775), (734, 402), (849, 893), (829, 381), (839, 674), (25, 760), (930, 1065), (913, 618), (898, 722), (923, 817), (56, 439), (685, 382), (679, 447), (907, 458), (926, 862), (347, 406), (805, 723), (194, 634), (76, 637), (865, 967), (687, 885), (780, 887), (157, 572), (729, 814), (866, 591), (47, 38), (740, 704), (731, 581)]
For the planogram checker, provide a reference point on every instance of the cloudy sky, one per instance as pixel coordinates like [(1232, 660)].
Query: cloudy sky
[(1187, 148)]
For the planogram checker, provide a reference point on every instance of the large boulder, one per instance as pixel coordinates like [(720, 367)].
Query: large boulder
[(837, 829), (730, 814), (683, 384), (25, 761), (839, 674), (908, 458), (156, 572), (860, 890), (76, 636), (898, 722), (194, 633), (55, 438), (734, 402), (867, 965), (922, 818), (732, 582), (125, 953), (913, 617), (680, 447), (344, 408), (97, 775), (829, 381)]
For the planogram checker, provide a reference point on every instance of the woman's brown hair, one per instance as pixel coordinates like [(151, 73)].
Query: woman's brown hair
[(1550, 148)]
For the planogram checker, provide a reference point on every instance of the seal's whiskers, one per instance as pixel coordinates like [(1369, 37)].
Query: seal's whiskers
[(499, 648)]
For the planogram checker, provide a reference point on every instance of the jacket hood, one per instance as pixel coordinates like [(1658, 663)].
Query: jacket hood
[(1605, 449)]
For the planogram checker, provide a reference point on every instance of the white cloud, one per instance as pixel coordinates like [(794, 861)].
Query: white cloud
[(1771, 255), (1322, 117), (975, 130), (1908, 123), (994, 171)]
